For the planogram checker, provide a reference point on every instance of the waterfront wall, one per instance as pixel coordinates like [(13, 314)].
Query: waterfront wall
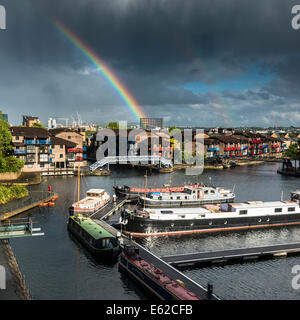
[(16, 288), (6, 176)]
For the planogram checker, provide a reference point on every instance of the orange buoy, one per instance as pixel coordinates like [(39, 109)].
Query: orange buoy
[(43, 204), (51, 204)]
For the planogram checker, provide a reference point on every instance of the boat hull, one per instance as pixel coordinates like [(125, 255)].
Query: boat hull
[(187, 203), (122, 193), (86, 212), (139, 226), (143, 279)]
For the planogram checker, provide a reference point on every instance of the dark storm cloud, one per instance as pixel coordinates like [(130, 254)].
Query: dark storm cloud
[(155, 47)]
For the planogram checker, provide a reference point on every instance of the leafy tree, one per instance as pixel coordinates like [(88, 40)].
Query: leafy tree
[(293, 153), (8, 163), (5, 138), (38, 125), (13, 164), (113, 125), (173, 128)]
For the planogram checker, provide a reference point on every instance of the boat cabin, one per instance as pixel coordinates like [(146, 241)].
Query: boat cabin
[(295, 196), (95, 193), (260, 207), (92, 233)]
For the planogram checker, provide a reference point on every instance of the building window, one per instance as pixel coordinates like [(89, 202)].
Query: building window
[(17, 138), (61, 155), (278, 210), (69, 137), (61, 147)]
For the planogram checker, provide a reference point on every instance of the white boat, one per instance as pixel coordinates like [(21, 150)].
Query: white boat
[(95, 199), (211, 218), (187, 196)]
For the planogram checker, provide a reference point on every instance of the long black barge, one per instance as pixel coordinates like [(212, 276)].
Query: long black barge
[(197, 289), (232, 255)]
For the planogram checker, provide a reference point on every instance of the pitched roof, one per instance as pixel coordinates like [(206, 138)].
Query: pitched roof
[(29, 132), (61, 142), (59, 130)]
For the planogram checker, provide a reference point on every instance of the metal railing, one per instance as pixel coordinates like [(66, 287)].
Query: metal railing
[(132, 159)]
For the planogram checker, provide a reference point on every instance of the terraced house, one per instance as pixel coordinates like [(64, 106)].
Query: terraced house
[(241, 145), (41, 151)]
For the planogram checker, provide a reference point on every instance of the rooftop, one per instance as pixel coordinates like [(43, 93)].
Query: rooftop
[(261, 204), (29, 132), (94, 229)]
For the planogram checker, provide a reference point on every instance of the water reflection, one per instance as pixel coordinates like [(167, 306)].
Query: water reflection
[(56, 267)]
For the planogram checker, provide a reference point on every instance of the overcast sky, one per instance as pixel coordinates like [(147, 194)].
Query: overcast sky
[(191, 62)]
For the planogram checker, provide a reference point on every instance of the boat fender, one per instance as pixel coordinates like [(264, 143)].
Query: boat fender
[(181, 283)]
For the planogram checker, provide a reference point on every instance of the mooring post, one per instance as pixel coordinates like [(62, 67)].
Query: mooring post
[(209, 289)]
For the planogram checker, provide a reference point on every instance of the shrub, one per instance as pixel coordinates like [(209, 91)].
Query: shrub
[(12, 193)]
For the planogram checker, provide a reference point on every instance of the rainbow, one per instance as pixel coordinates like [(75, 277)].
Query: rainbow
[(108, 74)]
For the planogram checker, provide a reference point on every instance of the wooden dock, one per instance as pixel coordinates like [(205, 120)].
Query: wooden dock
[(25, 208), (233, 255)]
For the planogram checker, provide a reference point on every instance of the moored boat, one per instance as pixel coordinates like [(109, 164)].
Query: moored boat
[(95, 238), (95, 199), (152, 278), (187, 196), (210, 218), (134, 193)]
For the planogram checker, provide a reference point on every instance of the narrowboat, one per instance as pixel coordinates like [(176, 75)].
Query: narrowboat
[(95, 199), (212, 218), (152, 278), (95, 238)]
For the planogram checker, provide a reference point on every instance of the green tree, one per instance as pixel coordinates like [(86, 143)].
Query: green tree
[(8, 163), (38, 125), (5, 138), (293, 153), (113, 125)]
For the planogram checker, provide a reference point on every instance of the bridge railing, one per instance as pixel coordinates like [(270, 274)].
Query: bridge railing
[(131, 159)]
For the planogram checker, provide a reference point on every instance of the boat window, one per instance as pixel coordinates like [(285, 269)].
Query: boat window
[(185, 197), (291, 209), (205, 191), (212, 191), (178, 198), (171, 198), (182, 216), (160, 198), (166, 211), (278, 210), (243, 211)]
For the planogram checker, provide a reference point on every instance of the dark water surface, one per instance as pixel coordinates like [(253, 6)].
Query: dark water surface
[(57, 267)]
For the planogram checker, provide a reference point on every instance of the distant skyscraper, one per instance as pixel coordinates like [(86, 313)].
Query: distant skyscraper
[(5, 116), (151, 123), (52, 123)]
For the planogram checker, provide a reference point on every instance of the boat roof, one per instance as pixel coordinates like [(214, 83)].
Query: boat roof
[(93, 228), (176, 210), (95, 190), (262, 204)]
